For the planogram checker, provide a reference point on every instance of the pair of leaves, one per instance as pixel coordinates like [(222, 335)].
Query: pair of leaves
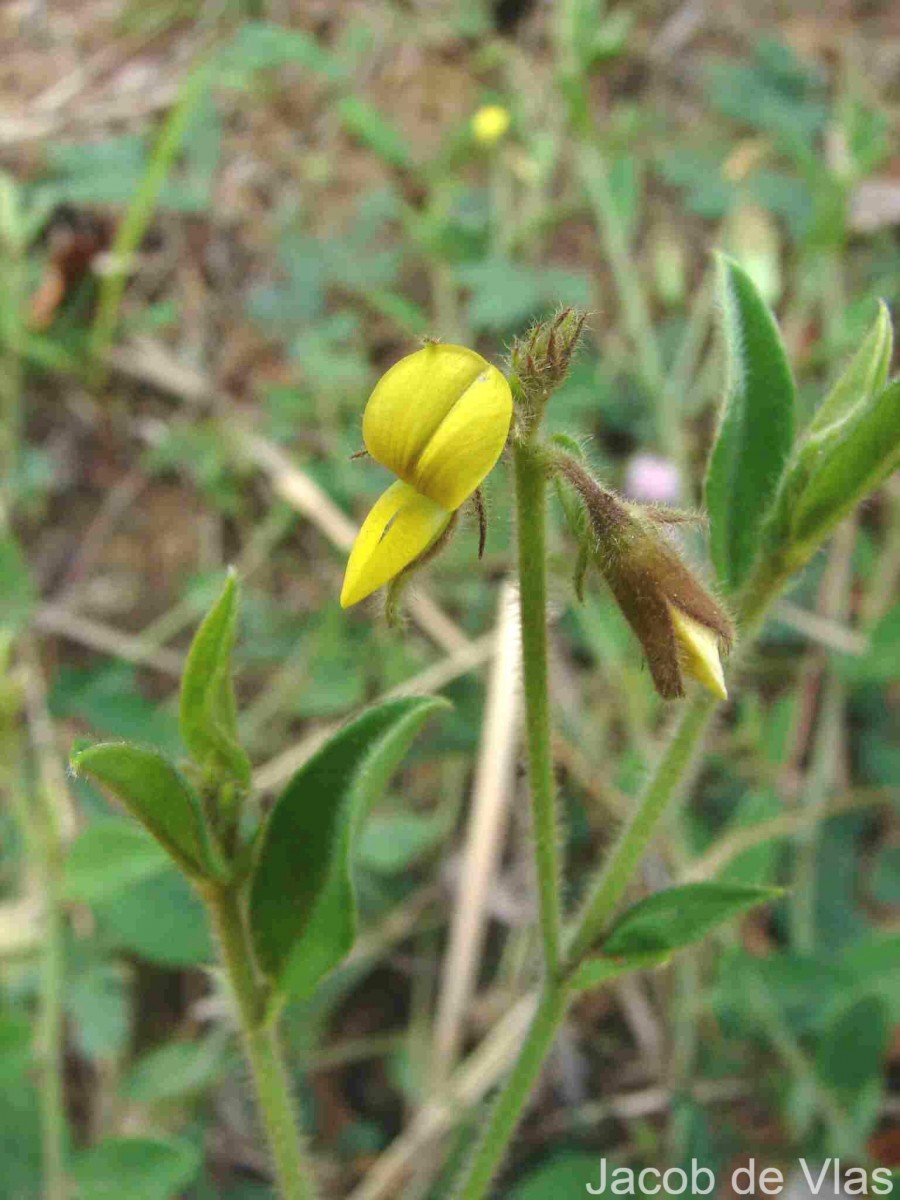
[(759, 486), (302, 907), (150, 786), (647, 934), (302, 903)]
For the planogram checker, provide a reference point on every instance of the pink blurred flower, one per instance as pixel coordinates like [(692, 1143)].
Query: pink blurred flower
[(652, 479)]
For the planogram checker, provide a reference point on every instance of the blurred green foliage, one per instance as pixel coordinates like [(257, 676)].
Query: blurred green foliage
[(339, 217)]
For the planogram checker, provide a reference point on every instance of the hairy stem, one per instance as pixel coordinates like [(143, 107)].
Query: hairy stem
[(50, 1038), (531, 510), (514, 1096), (668, 778), (270, 1078)]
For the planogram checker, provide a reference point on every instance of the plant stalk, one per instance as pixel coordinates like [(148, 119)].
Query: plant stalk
[(270, 1078), (133, 226), (514, 1095), (668, 779), (531, 515), (50, 1036)]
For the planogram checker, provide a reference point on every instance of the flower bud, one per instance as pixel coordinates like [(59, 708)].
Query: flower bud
[(540, 361), (681, 628)]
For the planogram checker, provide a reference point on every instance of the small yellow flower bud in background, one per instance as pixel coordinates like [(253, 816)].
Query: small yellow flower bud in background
[(490, 124), (438, 419)]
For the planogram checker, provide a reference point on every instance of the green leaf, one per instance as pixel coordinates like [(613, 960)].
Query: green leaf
[(853, 1046), (864, 378), (137, 1167), (370, 127), (598, 970), (845, 462), (392, 842), (756, 431), (881, 661), (208, 709), (98, 1006), (565, 1174), (15, 1047), (161, 920), (17, 591), (302, 904), (678, 916), (109, 856), (757, 865), (155, 792), (175, 1070), (261, 46)]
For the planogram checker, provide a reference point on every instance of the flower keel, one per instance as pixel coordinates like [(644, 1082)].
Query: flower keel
[(401, 526)]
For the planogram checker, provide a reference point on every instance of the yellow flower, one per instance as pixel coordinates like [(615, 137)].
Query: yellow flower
[(439, 420), (699, 646), (490, 124)]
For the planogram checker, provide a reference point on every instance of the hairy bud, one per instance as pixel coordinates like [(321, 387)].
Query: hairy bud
[(540, 361), (681, 627)]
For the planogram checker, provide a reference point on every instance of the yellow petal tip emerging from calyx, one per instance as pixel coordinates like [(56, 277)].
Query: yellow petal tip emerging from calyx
[(699, 647), (400, 527)]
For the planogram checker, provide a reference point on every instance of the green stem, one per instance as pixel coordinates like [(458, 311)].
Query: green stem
[(668, 778), (270, 1077), (531, 516), (666, 781), (512, 1099), (11, 378), (635, 308), (50, 1035), (131, 231), (44, 826)]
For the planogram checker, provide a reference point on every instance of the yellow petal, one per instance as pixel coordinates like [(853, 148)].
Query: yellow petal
[(699, 648), (467, 443), (401, 525), (412, 398)]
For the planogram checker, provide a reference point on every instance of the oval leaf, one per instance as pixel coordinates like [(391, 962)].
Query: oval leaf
[(208, 709), (155, 791), (864, 377), (756, 431), (678, 916), (160, 919), (854, 1046), (137, 1167), (176, 1069), (846, 462), (302, 905), (598, 970), (110, 856)]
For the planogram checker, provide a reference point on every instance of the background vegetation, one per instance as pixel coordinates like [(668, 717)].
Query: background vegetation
[(298, 195)]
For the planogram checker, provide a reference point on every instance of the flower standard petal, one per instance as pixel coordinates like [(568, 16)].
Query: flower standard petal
[(401, 525), (467, 443), (412, 399)]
